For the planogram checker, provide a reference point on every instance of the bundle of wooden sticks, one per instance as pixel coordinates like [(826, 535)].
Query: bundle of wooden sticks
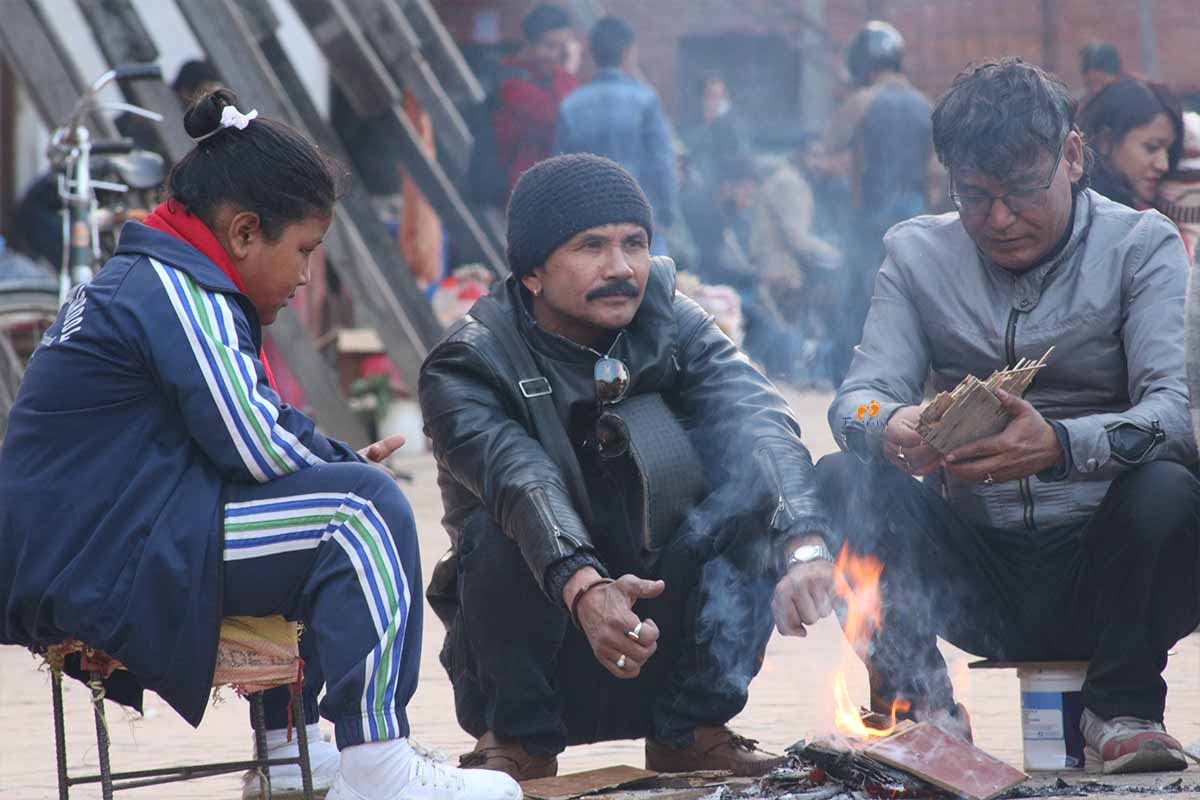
[(971, 411)]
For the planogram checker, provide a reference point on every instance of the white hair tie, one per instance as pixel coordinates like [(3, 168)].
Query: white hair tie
[(231, 118)]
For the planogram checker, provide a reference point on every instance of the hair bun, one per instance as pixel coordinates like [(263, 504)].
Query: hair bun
[(203, 117)]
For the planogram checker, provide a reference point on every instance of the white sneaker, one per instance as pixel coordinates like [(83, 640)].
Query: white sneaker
[(1128, 744), (286, 782), (418, 774)]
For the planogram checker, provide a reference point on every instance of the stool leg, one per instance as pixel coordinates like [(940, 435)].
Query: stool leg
[(259, 717), (302, 741), (60, 734), (106, 787)]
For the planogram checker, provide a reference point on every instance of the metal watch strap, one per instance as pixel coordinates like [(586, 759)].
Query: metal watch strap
[(819, 552)]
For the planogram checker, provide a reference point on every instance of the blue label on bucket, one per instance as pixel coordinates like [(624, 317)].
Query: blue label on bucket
[(1042, 700), (1042, 715)]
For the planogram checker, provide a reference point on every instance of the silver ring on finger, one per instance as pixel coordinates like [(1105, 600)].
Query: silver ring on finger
[(621, 662), (636, 633), (989, 480)]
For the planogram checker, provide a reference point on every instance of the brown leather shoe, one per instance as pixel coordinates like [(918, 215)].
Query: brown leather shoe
[(508, 755), (713, 749)]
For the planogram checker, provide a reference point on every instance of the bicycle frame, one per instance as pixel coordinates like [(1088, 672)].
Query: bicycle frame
[(71, 150)]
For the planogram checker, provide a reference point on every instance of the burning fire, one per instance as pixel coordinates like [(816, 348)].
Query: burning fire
[(856, 581)]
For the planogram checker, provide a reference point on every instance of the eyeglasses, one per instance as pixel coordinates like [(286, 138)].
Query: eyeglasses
[(611, 377), (974, 204)]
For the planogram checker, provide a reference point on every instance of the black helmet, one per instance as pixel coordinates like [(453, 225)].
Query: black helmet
[(877, 46)]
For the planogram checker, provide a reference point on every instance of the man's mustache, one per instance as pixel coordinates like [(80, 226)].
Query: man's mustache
[(619, 289)]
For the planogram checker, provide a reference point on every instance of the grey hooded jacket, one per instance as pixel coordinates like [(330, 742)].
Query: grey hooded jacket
[(1112, 305)]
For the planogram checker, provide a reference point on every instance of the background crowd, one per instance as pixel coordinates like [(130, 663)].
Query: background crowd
[(778, 230)]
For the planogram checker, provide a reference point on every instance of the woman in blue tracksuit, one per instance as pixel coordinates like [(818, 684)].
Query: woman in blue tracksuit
[(151, 481)]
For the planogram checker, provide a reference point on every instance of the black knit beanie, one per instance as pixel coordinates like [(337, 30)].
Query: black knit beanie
[(561, 196)]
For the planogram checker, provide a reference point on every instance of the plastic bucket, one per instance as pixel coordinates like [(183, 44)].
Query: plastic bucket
[(1051, 704)]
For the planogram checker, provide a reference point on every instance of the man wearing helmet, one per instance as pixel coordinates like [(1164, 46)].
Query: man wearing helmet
[(879, 139)]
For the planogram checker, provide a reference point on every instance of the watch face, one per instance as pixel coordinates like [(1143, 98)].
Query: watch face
[(807, 552)]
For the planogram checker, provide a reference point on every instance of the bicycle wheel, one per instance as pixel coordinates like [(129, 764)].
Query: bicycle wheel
[(26, 311)]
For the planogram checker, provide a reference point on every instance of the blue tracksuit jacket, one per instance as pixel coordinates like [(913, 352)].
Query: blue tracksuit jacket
[(144, 401)]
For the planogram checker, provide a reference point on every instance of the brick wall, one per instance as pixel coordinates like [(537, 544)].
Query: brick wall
[(942, 35)]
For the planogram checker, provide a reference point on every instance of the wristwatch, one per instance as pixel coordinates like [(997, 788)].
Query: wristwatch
[(809, 552)]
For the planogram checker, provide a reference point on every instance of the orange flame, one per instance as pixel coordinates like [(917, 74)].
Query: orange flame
[(856, 581)]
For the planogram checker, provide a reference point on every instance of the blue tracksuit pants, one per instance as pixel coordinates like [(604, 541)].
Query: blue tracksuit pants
[(335, 547)]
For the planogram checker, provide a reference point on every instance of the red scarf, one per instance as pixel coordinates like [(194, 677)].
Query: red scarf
[(171, 217)]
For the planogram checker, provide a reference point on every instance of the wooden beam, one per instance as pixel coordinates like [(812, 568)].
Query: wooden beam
[(8, 144), (50, 78), (442, 52), (330, 407), (123, 39), (399, 48), (240, 41), (370, 90)]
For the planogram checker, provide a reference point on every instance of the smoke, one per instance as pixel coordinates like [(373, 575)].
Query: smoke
[(732, 615)]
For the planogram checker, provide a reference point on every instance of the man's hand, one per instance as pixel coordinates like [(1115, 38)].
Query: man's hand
[(904, 447), (1025, 447), (803, 595), (606, 615)]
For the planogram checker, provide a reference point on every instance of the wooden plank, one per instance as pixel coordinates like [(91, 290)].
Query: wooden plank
[(385, 294), (361, 251), (360, 74), (8, 145), (442, 52), (399, 49), (461, 88), (124, 40), (946, 761), (49, 77), (330, 408)]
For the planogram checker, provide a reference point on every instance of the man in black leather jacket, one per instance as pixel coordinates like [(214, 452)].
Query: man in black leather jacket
[(544, 647)]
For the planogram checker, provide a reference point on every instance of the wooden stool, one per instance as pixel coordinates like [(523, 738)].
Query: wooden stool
[(254, 654)]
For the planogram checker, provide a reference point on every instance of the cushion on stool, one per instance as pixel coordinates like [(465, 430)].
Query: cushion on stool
[(257, 653), (254, 654)]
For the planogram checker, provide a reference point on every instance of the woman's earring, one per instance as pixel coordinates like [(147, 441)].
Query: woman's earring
[(537, 292)]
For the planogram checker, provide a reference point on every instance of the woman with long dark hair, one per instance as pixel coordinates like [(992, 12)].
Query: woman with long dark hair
[(1135, 128), (152, 482)]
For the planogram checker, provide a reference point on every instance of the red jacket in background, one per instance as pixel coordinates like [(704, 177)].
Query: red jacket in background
[(528, 110)]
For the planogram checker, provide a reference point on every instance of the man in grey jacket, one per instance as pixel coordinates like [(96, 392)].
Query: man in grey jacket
[(1072, 534)]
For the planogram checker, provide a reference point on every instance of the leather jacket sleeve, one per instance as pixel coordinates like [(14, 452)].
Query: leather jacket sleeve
[(741, 423), (479, 442)]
